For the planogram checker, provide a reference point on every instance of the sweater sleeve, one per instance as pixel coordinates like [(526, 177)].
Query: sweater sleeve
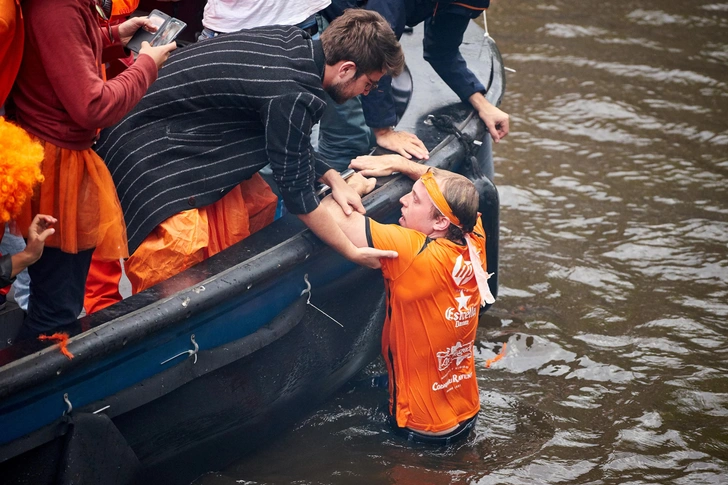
[(441, 48), (66, 49), (288, 121)]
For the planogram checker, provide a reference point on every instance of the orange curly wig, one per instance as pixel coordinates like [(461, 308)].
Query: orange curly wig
[(20, 159)]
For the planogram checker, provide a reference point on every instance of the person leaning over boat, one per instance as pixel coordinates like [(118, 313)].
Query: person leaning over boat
[(60, 98), (434, 292), (221, 110), (220, 17), (445, 23)]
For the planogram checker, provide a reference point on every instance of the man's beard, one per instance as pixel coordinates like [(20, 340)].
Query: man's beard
[(337, 91)]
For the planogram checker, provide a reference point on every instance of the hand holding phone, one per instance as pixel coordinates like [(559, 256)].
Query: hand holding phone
[(129, 28), (167, 30), (159, 53)]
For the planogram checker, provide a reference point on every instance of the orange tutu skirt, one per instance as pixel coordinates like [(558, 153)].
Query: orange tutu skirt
[(78, 191), (194, 235)]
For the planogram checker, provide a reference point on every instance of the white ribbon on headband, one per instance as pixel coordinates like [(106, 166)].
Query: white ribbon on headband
[(481, 277)]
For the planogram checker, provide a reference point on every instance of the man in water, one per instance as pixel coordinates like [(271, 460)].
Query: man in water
[(221, 110), (434, 292)]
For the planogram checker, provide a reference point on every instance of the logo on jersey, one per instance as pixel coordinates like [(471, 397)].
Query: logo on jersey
[(464, 312), (462, 272), (455, 355), (450, 360)]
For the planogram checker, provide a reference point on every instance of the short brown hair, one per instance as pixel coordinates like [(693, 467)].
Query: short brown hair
[(463, 199), (364, 38)]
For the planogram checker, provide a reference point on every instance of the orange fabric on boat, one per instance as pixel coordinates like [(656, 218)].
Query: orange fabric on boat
[(189, 237), (79, 192), (102, 285)]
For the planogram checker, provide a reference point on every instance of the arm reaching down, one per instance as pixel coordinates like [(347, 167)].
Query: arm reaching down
[(353, 224), (495, 120), (325, 221), (383, 165), (344, 194)]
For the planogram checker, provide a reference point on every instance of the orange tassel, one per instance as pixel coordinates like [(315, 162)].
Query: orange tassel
[(62, 339), (497, 357)]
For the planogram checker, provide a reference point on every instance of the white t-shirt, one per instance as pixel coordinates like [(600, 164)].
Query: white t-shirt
[(233, 15)]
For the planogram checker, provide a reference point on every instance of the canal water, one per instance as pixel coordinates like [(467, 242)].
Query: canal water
[(614, 269)]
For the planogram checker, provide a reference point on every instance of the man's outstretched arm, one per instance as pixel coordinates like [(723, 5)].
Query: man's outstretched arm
[(352, 225), (383, 165), (323, 222), (441, 48)]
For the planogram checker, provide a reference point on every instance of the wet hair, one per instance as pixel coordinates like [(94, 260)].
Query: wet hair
[(364, 38), (463, 199)]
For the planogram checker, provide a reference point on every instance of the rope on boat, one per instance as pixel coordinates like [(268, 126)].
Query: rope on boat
[(308, 302), (447, 124), (62, 339)]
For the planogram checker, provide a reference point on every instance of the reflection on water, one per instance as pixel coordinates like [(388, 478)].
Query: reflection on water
[(614, 269)]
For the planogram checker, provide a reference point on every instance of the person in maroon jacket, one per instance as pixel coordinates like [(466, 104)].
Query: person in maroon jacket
[(61, 98)]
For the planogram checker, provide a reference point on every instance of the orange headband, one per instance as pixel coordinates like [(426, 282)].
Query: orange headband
[(481, 277), (433, 190)]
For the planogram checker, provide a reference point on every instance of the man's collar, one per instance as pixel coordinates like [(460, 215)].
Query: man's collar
[(318, 56)]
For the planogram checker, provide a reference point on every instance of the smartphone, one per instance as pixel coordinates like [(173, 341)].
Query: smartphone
[(169, 32), (168, 28)]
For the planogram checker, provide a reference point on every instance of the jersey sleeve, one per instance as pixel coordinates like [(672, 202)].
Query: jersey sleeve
[(406, 242)]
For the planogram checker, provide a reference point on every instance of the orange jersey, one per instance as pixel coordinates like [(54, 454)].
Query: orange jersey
[(433, 305)]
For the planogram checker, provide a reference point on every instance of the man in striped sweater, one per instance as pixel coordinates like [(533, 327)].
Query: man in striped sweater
[(222, 109)]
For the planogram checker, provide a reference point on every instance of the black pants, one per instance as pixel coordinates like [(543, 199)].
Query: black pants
[(459, 433), (57, 284)]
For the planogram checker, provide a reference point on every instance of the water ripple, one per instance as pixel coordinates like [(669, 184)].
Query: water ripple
[(648, 73)]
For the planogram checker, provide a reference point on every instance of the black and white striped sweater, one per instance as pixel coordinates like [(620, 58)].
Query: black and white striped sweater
[(220, 110)]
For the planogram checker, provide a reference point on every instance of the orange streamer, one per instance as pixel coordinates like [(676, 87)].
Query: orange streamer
[(62, 339), (497, 357)]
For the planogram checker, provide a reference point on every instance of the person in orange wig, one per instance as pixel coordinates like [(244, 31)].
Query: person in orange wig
[(20, 159)]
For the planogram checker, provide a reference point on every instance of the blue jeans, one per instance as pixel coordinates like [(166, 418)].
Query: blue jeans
[(207, 34), (58, 283), (12, 245), (458, 434)]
